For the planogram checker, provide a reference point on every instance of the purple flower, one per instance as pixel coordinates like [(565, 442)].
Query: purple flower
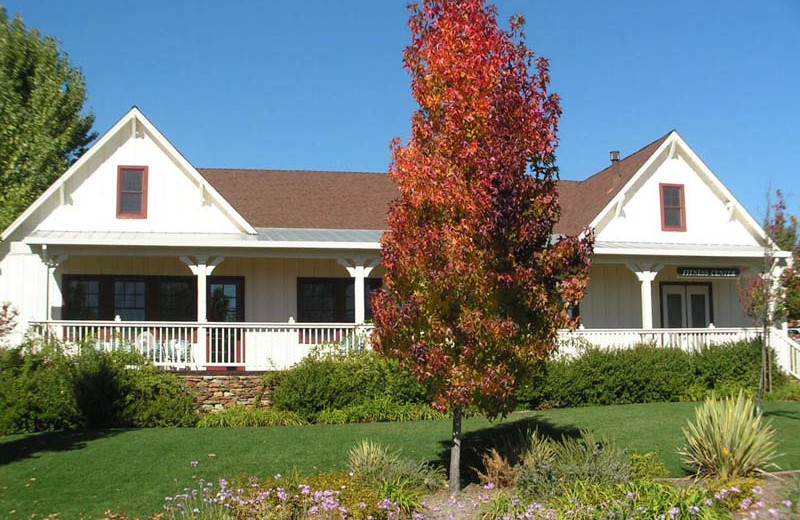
[(489, 485), (787, 503), (674, 512)]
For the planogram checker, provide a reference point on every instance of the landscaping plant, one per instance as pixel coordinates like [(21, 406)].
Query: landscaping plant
[(728, 440), (475, 287), (239, 416)]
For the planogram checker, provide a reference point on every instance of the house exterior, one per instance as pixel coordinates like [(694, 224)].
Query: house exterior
[(134, 247)]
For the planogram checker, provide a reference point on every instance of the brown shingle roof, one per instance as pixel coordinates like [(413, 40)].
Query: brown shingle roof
[(350, 200)]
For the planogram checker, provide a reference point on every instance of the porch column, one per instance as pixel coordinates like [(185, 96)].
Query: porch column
[(646, 274), (359, 269), (202, 268), (51, 263)]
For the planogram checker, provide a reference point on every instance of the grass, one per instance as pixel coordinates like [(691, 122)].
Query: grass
[(81, 475)]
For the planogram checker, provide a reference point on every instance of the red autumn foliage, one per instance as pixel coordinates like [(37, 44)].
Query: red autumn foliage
[(475, 287)]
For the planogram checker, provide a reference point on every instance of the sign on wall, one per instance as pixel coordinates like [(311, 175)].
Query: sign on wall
[(708, 272)]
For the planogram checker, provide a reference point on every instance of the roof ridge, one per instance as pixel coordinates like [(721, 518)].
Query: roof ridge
[(280, 170), (630, 155)]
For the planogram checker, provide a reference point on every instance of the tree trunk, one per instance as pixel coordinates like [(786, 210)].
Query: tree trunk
[(455, 454)]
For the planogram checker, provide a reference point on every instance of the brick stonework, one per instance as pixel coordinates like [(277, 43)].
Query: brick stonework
[(219, 391)]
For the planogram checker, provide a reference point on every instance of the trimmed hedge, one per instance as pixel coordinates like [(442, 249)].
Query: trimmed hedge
[(644, 374), (238, 416), (337, 381), (43, 389)]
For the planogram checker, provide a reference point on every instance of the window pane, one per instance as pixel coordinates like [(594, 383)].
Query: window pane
[(224, 302), (130, 203), (672, 217), (349, 302), (82, 300), (176, 301), (371, 285), (672, 197), (698, 310), (674, 311), (132, 180), (129, 298), (317, 301)]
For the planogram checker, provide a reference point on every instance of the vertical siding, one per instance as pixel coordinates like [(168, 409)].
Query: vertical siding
[(612, 300)]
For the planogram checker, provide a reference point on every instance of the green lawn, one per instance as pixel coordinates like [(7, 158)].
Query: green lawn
[(84, 474)]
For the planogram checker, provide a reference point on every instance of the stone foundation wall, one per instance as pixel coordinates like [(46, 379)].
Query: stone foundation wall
[(217, 391)]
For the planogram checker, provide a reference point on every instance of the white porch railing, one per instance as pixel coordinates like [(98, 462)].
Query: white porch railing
[(195, 346), (267, 346)]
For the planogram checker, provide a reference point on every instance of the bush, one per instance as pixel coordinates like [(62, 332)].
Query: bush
[(43, 389), (383, 409), (727, 440), (37, 391), (331, 381), (154, 398), (549, 465), (376, 465), (238, 416), (645, 374)]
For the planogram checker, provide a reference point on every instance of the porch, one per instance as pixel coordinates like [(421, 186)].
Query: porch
[(274, 346)]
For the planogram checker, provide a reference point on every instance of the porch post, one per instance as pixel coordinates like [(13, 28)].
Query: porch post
[(51, 263), (359, 269), (646, 275), (202, 269)]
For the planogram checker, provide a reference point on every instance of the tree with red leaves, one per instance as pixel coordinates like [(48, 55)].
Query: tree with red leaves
[(476, 285)]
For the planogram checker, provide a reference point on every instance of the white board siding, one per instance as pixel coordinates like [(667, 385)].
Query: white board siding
[(175, 203), (708, 220), (612, 300)]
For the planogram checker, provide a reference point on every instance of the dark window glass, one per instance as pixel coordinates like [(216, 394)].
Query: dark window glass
[(82, 300), (370, 285), (225, 301), (698, 310), (332, 300), (176, 301), (129, 300), (672, 210), (674, 311), (130, 203), (131, 192), (317, 301)]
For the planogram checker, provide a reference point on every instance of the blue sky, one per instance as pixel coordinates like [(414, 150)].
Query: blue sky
[(320, 84)]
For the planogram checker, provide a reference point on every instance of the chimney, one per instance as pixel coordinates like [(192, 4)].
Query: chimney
[(614, 156)]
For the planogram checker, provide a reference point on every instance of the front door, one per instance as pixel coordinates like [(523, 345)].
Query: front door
[(686, 305)]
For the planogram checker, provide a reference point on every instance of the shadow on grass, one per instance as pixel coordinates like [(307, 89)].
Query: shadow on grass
[(510, 439), (787, 414), (31, 445)]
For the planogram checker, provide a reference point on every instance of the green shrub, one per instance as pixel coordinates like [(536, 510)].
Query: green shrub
[(330, 381), (383, 409), (239, 416), (43, 389), (731, 367), (645, 373), (727, 440), (638, 375), (549, 465), (37, 391), (154, 398)]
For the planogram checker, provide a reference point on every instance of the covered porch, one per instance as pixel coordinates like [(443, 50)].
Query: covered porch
[(267, 308)]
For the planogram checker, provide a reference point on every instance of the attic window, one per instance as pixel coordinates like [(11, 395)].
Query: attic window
[(673, 208), (132, 192)]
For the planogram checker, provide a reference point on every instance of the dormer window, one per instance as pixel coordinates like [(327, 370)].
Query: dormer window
[(132, 192), (673, 208)]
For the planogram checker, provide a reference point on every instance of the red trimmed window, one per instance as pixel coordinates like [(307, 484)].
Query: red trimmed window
[(673, 207), (132, 192)]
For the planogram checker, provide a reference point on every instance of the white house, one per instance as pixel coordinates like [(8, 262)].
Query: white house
[(248, 269)]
